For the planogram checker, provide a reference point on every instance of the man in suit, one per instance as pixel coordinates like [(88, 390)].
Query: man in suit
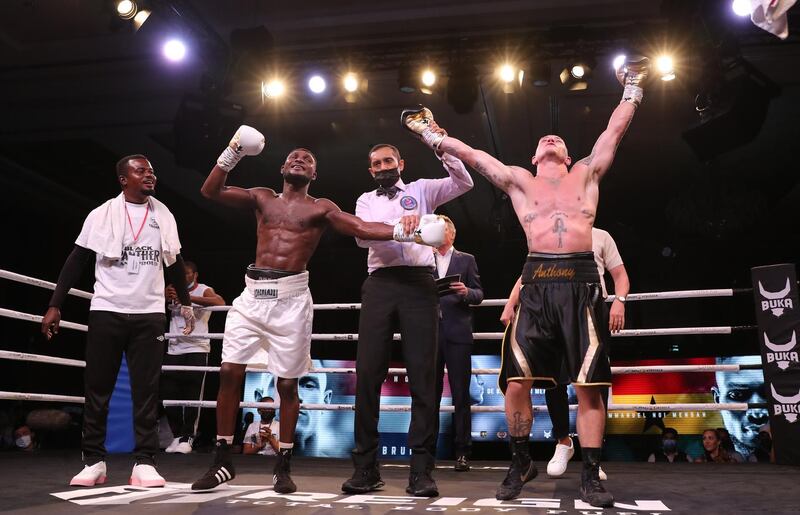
[(455, 335)]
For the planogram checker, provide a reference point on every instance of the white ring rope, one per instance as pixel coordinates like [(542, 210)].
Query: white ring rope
[(664, 295), (708, 406), (11, 276), (668, 331), (646, 369), (8, 313)]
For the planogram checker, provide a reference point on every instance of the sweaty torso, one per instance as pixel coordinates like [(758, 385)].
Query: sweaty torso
[(288, 230), (557, 214)]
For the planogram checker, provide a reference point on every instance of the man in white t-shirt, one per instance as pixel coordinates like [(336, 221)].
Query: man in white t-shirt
[(607, 257), (261, 437), (131, 238), (187, 351)]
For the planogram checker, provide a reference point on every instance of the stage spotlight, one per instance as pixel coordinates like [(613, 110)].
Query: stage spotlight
[(273, 88), (741, 7), (506, 73), (462, 87), (540, 74), (665, 67), (350, 82), (732, 109), (174, 50), (126, 9), (406, 79), (140, 18), (575, 76), (428, 79), (317, 84), (618, 62)]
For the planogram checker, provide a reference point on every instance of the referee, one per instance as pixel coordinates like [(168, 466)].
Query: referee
[(399, 289)]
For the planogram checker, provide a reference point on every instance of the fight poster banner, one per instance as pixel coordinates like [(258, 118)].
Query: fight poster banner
[(778, 317)]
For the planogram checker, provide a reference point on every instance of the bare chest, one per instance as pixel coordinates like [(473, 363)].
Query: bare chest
[(281, 215), (569, 195)]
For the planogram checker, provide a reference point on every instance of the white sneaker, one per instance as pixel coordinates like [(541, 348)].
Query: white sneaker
[(146, 475), (90, 476), (173, 446), (558, 464), (184, 447), (602, 474)]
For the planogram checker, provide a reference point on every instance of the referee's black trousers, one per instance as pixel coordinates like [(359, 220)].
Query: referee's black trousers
[(391, 296), (141, 338)]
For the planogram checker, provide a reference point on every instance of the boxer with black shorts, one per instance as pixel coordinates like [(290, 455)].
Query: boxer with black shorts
[(275, 310), (561, 318), (556, 208)]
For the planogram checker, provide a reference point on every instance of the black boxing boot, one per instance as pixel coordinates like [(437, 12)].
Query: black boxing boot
[(221, 470), (592, 490), (282, 479), (520, 472)]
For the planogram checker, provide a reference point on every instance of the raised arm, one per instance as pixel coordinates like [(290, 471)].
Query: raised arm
[(246, 142), (605, 148), (632, 75), (421, 122), (215, 189)]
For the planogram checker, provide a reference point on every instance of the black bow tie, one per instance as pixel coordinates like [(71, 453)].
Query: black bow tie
[(390, 192)]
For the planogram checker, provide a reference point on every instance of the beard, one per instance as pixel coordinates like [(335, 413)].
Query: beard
[(296, 180)]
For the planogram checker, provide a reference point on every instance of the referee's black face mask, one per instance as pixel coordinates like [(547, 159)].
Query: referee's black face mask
[(386, 178)]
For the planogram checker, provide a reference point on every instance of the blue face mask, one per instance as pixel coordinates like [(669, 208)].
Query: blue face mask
[(670, 445), (190, 285)]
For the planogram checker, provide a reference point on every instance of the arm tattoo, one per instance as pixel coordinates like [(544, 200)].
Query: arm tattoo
[(520, 426), (493, 177), (587, 161)]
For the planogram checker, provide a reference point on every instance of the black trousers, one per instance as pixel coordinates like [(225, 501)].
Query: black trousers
[(390, 296), (141, 338), (558, 409), (183, 386), (458, 358)]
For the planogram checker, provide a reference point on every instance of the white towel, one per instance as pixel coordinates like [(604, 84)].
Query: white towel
[(106, 225), (770, 15)]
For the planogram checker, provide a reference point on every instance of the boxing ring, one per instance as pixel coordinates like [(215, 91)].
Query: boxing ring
[(638, 487)]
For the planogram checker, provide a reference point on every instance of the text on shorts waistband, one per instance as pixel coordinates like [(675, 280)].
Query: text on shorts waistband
[(573, 267)]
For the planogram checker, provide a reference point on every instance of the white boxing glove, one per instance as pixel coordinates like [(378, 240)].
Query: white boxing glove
[(246, 142), (430, 231)]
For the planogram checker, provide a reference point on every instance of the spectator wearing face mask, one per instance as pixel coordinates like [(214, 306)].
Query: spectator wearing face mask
[(24, 439), (669, 452)]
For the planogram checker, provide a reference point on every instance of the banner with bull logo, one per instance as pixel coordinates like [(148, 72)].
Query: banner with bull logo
[(778, 318)]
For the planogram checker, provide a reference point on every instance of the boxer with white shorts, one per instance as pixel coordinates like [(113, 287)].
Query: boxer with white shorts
[(274, 315), (275, 310)]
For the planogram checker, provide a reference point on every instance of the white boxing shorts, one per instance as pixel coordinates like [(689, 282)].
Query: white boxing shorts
[(274, 315)]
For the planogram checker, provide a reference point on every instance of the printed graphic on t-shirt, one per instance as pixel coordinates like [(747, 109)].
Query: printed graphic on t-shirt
[(145, 254)]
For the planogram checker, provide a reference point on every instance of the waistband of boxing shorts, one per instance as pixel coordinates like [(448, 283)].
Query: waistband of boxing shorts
[(258, 273), (574, 267), (271, 289)]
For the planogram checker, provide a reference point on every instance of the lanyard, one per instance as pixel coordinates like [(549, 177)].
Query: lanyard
[(139, 232)]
